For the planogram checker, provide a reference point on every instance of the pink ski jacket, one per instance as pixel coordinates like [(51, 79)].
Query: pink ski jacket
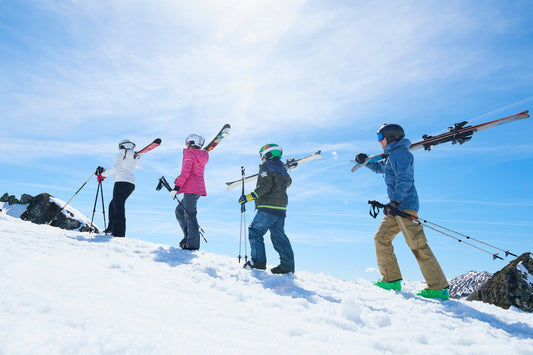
[(191, 179)]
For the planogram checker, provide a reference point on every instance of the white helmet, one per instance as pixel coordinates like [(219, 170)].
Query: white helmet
[(126, 144), (196, 140)]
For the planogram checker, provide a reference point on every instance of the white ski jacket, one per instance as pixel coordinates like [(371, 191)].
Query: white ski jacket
[(123, 167)]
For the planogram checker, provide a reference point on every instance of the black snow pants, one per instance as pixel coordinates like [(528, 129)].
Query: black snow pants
[(117, 212)]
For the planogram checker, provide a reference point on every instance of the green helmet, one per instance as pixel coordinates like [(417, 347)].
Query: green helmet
[(271, 151)]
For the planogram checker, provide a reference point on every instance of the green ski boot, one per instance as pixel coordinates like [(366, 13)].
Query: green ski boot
[(395, 285), (442, 294)]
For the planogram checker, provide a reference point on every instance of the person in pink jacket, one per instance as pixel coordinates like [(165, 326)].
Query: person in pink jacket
[(191, 183)]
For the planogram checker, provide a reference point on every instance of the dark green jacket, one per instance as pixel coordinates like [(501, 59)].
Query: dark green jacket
[(271, 188)]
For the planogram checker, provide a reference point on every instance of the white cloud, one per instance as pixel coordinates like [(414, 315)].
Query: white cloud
[(262, 65)]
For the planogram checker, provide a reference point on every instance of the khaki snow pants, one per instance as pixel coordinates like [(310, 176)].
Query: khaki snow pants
[(416, 240)]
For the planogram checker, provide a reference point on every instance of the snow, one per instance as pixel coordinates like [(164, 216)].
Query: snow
[(527, 276), (71, 212), (15, 210), (67, 292)]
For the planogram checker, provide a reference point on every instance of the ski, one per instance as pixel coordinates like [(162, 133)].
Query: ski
[(457, 134), (149, 147), (290, 164), (224, 132)]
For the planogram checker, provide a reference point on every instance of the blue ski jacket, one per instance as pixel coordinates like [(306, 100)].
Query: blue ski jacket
[(399, 174)]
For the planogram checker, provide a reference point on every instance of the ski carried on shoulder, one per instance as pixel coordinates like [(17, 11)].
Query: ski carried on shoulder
[(457, 134), (156, 143), (290, 164), (224, 132)]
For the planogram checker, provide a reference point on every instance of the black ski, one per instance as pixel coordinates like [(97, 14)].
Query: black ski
[(457, 134)]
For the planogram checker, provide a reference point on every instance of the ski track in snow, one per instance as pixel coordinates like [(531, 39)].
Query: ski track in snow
[(71, 292)]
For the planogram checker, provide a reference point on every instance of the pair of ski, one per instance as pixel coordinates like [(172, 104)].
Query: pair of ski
[(214, 142), (290, 164), (457, 134)]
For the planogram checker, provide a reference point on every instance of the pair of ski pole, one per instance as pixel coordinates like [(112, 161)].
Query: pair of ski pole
[(374, 211), (100, 189), (243, 224)]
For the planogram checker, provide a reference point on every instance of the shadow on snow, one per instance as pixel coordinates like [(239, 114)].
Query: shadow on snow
[(173, 256), (462, 311), (285, 285), (98, 238)]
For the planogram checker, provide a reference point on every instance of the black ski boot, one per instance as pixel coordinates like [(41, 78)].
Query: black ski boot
[(251, 265), (280, 270)]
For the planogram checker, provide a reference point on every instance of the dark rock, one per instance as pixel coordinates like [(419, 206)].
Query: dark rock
[(42, 210), (511, 286), (12, 200), (25, 199)]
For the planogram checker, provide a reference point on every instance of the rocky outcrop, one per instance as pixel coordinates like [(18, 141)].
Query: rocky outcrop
[(511, 286), (464, 285), (10, 199), (42, 209)]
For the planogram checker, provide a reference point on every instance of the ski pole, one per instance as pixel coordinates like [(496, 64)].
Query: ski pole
[(375, 206), (99, 170), (103, 206), (100, 189), (243, 223), (416, 220), (81, 187), (507, 252), (163, 182)]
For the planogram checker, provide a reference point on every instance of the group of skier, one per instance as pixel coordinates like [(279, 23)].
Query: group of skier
[(271, 201)]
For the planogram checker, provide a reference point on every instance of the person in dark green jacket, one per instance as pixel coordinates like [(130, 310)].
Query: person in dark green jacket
[(271, 201)]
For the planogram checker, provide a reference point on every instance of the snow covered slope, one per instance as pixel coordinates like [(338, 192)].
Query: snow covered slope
[(71, 292)]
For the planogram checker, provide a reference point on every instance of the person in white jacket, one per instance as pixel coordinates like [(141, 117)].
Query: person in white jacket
[(123, 169)]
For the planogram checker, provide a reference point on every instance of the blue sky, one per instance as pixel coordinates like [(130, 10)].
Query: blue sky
[(78, 77)]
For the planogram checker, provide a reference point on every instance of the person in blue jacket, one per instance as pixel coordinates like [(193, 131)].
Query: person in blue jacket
[(398, 169)]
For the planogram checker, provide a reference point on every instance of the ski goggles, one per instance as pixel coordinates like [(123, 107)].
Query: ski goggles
[(380, 136)]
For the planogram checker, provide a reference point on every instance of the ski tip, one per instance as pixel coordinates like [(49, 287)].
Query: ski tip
[(157, 140), (355, 168)]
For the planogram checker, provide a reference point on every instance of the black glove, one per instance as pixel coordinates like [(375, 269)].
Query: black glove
[(361, 158), (391, 208)]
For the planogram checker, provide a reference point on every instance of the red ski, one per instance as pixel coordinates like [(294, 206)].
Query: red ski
[(457, 134), (223, 133), (149, 147)]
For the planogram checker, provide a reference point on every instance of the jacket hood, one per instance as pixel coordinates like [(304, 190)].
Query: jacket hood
[(402, 143), (276, 165), (199, 155)]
